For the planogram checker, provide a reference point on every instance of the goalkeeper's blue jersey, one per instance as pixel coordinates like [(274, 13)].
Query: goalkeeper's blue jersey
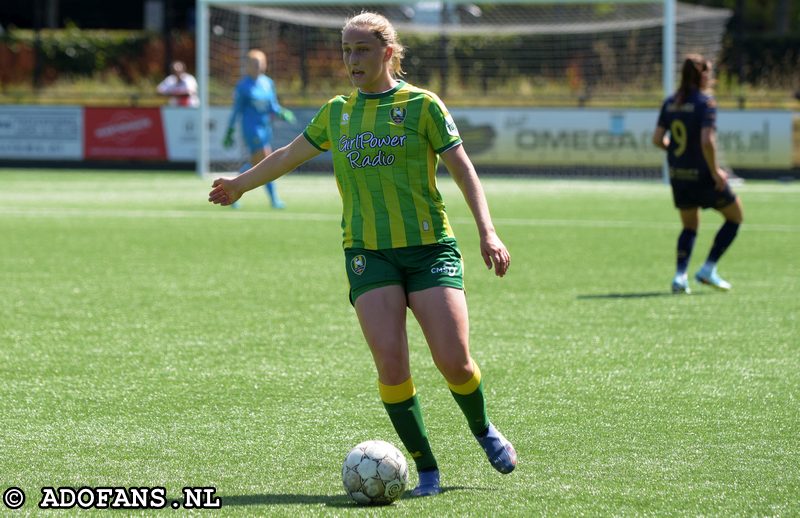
[(255, 101)]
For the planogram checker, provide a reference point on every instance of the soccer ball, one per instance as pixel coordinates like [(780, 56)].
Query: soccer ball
[(375, 472)]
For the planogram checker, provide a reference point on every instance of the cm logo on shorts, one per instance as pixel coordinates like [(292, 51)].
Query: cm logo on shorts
[(448, 268)]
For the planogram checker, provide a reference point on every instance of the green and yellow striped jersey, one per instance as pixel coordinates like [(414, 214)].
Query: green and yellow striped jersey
[(385, 153)]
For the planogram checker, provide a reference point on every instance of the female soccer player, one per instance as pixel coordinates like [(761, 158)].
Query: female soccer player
[(689, 115), (386, 138), (256, 101)]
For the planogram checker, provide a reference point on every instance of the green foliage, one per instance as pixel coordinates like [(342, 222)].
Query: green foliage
[(73, 51), (73, 54), (496, 64), (761, 16), (152, 339), (79, 65), (767, 59)]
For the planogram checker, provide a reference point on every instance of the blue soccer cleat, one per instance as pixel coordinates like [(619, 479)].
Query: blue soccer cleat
[(428, 484), (709, 277), (500, 452), (680, 284)]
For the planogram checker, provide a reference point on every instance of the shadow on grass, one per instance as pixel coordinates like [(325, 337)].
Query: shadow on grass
[(285, 499), (637, 295), (327, 500)]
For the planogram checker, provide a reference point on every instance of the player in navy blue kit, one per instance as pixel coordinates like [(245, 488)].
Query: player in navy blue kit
[(689, 116), (255, 101)]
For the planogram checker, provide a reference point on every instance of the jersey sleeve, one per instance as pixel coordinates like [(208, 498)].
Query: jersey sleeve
[(274, 105), (708, 116), (439, 127), (238, 105), (317, 132)]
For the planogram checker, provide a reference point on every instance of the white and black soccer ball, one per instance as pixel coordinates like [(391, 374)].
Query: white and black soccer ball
[(375, 472)]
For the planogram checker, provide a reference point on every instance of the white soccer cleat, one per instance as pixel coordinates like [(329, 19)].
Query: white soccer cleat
[(711, 278), (680, 284)]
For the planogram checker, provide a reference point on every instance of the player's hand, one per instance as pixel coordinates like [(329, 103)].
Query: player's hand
[(228, 141), (224, 192), (720, 179), (495, 254), (288, 116)]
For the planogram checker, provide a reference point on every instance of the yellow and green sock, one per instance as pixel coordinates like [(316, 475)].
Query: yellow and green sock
[(405, 412), (470, 399)]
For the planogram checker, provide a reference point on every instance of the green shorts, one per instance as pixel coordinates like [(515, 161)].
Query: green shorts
[(414, 268)]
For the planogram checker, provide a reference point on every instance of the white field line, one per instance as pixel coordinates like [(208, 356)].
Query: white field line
[(309, 216)]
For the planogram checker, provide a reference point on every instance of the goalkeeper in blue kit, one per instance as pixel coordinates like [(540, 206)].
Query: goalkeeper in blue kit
[(255, 102)]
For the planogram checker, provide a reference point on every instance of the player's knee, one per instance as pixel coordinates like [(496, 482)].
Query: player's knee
[(735, 216), (392, 368), (733, 212), (455, 370)]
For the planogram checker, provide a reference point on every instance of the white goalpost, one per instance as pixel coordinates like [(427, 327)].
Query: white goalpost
[(510, 53)]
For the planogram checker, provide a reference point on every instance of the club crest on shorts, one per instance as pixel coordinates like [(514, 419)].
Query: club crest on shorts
[(358, 264), (398, 115)]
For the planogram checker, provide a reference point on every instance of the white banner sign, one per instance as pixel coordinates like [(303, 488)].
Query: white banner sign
[(182, 134), (496, 137), (41, 132), (589, 137)]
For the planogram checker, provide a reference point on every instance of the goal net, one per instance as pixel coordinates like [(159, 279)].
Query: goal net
[(531, 53)]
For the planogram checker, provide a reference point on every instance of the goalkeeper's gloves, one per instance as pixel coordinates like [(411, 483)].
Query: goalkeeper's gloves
[(228, 141), (288, 116)]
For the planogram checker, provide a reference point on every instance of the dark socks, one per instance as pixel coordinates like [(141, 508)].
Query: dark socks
[(685, 246), (723, 239)]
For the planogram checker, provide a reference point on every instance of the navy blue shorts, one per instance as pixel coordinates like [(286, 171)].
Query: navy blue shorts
[(690, 195)]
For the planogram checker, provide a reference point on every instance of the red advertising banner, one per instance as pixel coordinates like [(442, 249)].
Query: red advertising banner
[(123, 134)]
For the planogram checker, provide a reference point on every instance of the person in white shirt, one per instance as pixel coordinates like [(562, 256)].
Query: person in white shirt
[(180, 86)]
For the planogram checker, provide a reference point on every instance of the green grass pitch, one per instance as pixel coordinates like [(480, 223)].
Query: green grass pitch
[(151, 339)]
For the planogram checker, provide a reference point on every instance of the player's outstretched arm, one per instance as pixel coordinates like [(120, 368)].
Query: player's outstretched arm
[(493, 251), (225, 191)]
